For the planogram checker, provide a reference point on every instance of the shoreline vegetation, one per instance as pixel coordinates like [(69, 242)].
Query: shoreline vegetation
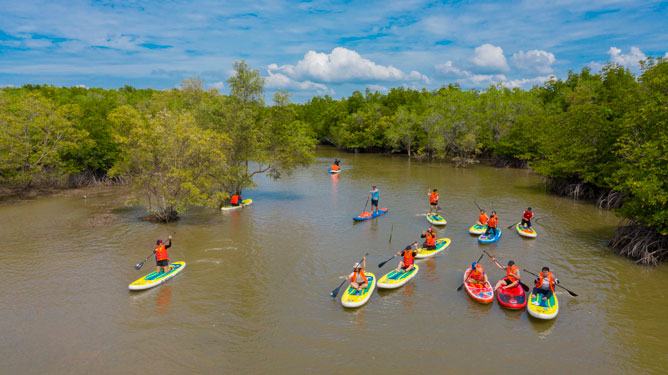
[(599, 137)]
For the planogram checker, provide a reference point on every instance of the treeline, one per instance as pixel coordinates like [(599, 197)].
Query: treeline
[(600, 136), (177, 148)]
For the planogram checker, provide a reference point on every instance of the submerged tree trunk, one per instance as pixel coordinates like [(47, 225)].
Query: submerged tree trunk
[(643, 244), (163, 215)]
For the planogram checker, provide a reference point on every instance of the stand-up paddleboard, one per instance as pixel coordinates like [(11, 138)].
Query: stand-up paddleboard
[(525, 232), (478, 229), (352, 297), (331, 171), (436, 219), (482, 294), (512, 298), (485, 239), (441, 245), (366, 215), (154, 279), (394, 279), (540, 308), (244, 203)]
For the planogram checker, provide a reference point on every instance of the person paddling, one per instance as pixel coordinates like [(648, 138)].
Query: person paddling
[(375, 197), (492, 224), (429, 239), (483, 218), (408, 253), (161, 256), (336, 166), (476, 275), (545, 284), (512, 275), (433, 201), (527, 215), (358, 279), (235, 200)]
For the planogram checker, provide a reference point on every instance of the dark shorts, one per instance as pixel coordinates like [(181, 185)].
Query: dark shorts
[(507, 281), (162, 263), (434, 204), (429, 247), (374, 202), (526, 223)]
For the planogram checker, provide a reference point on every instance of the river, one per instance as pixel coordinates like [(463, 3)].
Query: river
[(254, 297)]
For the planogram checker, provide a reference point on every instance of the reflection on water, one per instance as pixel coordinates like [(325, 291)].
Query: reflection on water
[(254, 297)]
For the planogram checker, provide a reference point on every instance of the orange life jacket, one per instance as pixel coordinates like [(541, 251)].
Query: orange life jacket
[(408, 258), (550, 277), (493, 221), (433, 198), (512, 272), (235, 199), (335, 167), (353, 278), (161, 252), (429, 239), (477, 274), (483, 219)]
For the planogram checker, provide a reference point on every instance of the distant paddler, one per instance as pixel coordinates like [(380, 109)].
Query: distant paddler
[(375, 197), (429, 239), (236, 199), (336, 166), (161, 256), (433, 201)]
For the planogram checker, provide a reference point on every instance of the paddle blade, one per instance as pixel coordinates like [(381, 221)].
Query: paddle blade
[(335, 292), (460, 287), (139, 265), (524, 286)]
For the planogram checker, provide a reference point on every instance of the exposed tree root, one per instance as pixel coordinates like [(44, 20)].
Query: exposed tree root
[(643, 244)]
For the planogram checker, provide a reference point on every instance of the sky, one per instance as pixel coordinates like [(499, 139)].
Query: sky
[(314, 48)]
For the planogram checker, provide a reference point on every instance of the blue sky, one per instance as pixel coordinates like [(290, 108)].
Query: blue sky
[(322, 47)]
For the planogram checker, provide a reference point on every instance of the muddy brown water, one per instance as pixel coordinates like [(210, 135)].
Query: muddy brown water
[(254, 297)]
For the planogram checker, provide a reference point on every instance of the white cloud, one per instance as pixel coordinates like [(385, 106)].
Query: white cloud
[(665, 56), (377, 88), (528, 82), (343, 65), (449, 69), (535, 61), (275, 80), (630, 60), (489, 56), (595, 66), (217, 85)]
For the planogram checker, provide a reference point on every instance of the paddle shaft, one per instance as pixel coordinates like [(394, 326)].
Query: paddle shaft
[(139, 265), (335, 292), (524, 286), (461, 286), (559, 285), (477, 205)]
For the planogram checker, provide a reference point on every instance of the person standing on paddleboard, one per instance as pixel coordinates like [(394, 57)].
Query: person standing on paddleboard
[(375, 197), (545, 283), (358, 279), (161, 256), (408, 257), (527, 215), (512, 275), (491, 224), (433, 201)]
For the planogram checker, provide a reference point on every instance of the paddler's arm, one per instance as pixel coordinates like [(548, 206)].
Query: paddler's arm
[(497, 263), (169, 239)]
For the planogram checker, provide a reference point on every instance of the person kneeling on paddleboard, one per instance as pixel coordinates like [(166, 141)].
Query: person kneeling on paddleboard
[(477, 275), (358, 279), (335, 166), (545, 283), (161, 256), (408, 254), (433, 201), (375, 197), (512, 275), (526, 218), (235, 200), (491, 224), (483, 218), (429, 239)]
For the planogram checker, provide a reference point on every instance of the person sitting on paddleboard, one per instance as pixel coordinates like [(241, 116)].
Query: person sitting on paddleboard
[(375, 197), (235, 200), (483, 218), (336, 165), (545, 283), (429, 239), (512, 275), (161, 256), (408, 260), (358, 279), (526, 218), (433, 201), (491, 225), (477, 275)]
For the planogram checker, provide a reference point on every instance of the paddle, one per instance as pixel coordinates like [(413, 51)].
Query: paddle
[(512, 225), (524, 286), (461, 286), (366, 204), (139, 265), (559, 285), (335, 292), (477, 205), (381, 264)]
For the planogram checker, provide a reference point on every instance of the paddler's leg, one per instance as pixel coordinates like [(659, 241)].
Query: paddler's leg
[(501, 283), (355, 285)]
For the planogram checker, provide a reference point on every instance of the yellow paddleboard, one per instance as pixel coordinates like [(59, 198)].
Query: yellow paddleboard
[(355, 298), (154, 279), (441, 244)]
